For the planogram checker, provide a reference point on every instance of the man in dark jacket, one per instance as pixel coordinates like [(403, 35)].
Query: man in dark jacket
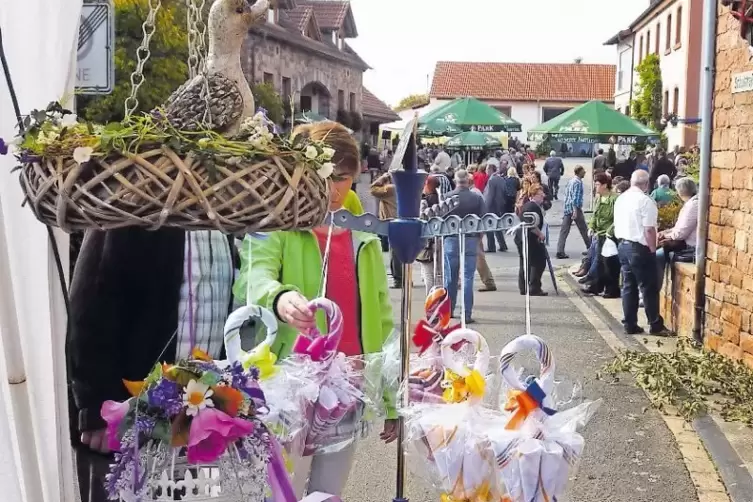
[(663, 165), (600, 161), (138, 298), (494, 198), (554, 168)]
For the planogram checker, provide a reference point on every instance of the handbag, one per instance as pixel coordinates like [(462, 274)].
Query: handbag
[(609, 248), (426, 255)]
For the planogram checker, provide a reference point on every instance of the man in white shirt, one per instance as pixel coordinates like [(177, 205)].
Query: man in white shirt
[(635, 221)]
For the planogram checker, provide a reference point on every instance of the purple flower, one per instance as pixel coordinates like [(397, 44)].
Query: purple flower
[(3, 147), (167, 396)]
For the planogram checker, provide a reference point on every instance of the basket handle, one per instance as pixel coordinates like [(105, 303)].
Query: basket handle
[(543, 354), (233, 329), (312, 343), (481, 363)]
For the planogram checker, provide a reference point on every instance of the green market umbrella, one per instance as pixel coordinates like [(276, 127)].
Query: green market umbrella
[(466, 114), (473, 140), (593, 122)]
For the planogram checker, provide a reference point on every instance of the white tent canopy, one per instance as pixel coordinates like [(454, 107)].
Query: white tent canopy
[(36, 462)]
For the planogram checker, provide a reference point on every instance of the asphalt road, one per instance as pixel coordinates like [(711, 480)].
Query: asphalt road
[(630, 454)]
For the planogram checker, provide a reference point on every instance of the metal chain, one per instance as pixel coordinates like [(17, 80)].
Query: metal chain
[(142, 54), (197, 50)]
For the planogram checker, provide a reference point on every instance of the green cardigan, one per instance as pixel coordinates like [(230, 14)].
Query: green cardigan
[(292, 261)]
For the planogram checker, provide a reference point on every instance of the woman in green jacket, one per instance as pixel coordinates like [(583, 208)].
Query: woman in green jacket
[(286, 272)]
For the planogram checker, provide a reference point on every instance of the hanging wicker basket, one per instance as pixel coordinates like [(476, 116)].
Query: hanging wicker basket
[(158, 187)]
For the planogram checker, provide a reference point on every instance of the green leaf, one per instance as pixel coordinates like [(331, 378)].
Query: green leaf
[(162, 431), (155, 375), (210, 378)]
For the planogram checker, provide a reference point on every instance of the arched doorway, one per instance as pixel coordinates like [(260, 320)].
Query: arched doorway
[(315, 98)]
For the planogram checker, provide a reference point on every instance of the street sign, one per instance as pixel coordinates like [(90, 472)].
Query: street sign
[(742, 82), (95, 66)]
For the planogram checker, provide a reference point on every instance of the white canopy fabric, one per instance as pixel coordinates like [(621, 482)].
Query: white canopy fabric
[(407, 115), (35, 456)]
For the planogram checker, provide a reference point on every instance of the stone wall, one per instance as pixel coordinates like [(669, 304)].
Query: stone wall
[(729, 271), (676, 299), (269, 55)]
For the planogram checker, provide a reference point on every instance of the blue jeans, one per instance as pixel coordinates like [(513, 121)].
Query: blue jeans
[(593, 259), (452, 270), (662, 258), (638, 265)]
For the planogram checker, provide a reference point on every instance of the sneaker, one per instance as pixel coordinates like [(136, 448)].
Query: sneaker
[(584, 279), (539, 293), (634, 330), (611, 296), (580, 272), (562, 256), (486, 289), (589, 291), (470, 320)]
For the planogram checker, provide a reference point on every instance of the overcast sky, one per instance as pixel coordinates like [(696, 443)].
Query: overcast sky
[(403, 39)]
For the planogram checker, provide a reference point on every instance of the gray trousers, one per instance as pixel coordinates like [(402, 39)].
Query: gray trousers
[(567, 221)]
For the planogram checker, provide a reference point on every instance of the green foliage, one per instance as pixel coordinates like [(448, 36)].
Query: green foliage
[(647, 106), (693, 170), (691, 380), (412, 101), (669, 213), (165, 71), (543, 148), (266, 97)]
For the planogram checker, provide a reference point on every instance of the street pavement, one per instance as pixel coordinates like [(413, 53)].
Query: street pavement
[(630, 455)]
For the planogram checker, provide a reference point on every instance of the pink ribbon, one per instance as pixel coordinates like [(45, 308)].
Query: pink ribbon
[(312, 343)]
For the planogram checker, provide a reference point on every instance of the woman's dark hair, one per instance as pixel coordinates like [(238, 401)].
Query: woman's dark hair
[(537, 175), (604, 179)]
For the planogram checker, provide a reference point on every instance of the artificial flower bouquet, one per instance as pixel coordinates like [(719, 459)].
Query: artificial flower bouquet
[(202, 412)]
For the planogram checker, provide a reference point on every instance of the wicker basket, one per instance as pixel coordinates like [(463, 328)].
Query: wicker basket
[(159, 187)]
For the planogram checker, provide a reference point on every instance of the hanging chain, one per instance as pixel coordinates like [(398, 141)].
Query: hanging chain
[(142, 54), (197, 52)]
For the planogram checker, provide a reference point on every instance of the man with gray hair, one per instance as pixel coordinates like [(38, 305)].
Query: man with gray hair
[(635, 222), (554, 168), (469, 202)]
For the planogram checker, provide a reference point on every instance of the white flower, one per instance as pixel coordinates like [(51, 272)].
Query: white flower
[(56, 116), (82, 154), (197, 397), (312, 152), (69, 120), (326, 170), (328, 153)]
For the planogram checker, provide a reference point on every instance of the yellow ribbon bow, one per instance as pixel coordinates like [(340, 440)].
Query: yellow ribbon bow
[(459, 389), (264, 359), (483, 494)]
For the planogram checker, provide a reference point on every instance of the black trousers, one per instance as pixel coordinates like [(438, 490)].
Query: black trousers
[(607, 271), (500, 239), (396, 268), (536, 265), (91, 469), (554, 186)]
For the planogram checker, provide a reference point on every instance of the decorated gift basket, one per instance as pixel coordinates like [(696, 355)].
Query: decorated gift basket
[(206, 159)]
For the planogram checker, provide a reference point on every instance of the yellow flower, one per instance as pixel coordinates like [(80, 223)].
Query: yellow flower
[(262, 358)]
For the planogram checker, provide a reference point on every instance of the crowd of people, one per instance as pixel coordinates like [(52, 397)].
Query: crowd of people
[(626, 256)]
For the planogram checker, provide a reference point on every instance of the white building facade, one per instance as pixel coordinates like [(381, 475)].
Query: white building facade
[(664, 29)]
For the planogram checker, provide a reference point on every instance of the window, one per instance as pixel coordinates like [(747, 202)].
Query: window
[(340, 99), (658, 38), (676, 101), (550, 113), (648, 42), (640, 48), (306, 103), (623, 69), (665, 105), (352, 101), (627, 110), (507, 110), (668, 44), (269, 78), (287, 91), (678, 27)]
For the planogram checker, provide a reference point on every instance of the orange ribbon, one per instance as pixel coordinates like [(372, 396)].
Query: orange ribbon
[(522, 404)]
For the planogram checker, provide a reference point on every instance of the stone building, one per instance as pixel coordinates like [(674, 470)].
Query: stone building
[(729, 270), (302, 50)]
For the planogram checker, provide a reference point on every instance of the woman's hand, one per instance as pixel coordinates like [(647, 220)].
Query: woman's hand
[(389, 433), (293, 308), (96, 440)]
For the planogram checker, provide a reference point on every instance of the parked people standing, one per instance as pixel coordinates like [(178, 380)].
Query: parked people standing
[(482, 267), (383, 189), (468, 203), (573, 212), (536, 256), (494, 198), (681, 238), (635, 221), (554, 168)]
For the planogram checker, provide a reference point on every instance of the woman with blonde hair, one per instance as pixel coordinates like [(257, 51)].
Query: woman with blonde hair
[(287, 271)]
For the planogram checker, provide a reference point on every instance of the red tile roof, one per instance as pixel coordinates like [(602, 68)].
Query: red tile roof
[(299, 16), (330, 14), (524, 81), (375, 107)]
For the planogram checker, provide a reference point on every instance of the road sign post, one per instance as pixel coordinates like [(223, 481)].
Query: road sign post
[(95, 65)]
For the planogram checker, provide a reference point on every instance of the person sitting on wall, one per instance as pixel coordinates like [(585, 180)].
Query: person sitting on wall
[(663, 194), (680, 240)]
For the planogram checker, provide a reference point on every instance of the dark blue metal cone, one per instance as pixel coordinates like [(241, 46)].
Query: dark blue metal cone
[(408, 188)]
